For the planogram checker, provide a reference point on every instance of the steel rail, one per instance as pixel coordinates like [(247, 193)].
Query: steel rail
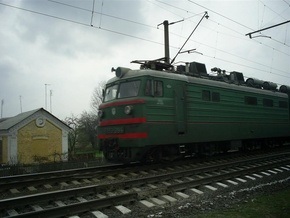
[(80, 207), (31, 176), (224, 176), (55, 176), (68, 193), (100, 203)]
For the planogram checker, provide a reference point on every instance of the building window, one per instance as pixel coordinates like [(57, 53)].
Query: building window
[(249, 100), (268, 102)]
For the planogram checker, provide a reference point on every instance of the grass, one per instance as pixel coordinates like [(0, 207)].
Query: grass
[(276, 205)]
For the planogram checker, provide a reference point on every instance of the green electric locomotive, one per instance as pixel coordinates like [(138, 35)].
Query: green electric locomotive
[(161, 112)]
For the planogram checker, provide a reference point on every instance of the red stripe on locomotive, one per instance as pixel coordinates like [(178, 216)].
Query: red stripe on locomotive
[(135, 135), (123, 121), (119, 103)]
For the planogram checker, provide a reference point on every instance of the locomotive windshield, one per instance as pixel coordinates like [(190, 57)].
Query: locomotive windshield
[(111, 93), (129, 89), (122, 90)]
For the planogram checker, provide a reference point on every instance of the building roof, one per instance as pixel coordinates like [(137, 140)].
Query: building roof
[(7, 123)]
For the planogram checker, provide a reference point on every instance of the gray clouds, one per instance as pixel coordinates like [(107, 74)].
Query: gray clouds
[(56, 45)]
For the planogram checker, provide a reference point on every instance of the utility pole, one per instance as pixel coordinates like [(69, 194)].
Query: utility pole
[(20, 103), (46, 95), (50, 100), (2, 104), (166, 42), (166, 38)]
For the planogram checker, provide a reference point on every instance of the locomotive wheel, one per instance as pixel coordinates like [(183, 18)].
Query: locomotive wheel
[(153, 155)]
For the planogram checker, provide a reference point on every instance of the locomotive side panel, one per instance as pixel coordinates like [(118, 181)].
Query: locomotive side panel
[(222, 114), (161, 114)]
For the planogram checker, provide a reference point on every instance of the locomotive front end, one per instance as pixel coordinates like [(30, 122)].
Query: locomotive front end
[(122, 128)]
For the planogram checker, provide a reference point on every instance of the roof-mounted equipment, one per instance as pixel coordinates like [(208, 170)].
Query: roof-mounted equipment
[(193, 69), (197, 69), (256, 83), (237, 78), (158, 64), (120, 71), (284, 89), (270, 86)]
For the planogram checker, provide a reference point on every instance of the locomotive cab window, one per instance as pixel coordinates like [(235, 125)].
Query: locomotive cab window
[(124, 90), (111, 93), (129, 89), (154, 88)]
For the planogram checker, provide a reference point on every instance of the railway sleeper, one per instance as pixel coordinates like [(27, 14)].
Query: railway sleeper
[(152, 193)]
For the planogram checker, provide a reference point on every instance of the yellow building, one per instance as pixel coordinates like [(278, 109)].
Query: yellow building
[(32, 137)]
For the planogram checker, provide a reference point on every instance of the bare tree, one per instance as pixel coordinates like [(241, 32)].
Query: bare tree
[(87, 125), (72, 122), (97, 96)]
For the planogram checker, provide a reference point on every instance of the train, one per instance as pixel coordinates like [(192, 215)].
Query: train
[(164, 112)]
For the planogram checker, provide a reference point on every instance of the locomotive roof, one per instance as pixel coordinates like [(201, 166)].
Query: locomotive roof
[(190, 79)]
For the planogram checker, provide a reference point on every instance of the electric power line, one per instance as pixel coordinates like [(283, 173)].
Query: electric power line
[(231, 29), (120, 33), (101, 13), (231, 19), (127, 20), (83, 24), (286, 2), (236, 22)]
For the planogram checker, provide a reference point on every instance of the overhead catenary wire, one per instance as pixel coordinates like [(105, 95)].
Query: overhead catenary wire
[(110, 30), (100, 23), (92, 12), (163, 8), (266, 28), (232, 20), (229, 28), (81, 23), (204, 16), (286, 2), (236, 22), (44, 14), (278, 14), (127, 20), (102, 14)]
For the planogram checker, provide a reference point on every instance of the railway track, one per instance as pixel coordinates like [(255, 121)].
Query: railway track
[(19, 181), (23, 184), (157, 186)]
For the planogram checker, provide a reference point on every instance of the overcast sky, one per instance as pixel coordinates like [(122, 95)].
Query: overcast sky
[(64, 44)]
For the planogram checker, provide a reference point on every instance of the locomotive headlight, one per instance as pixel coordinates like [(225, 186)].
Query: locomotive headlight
[(128, 109), (100, 114)]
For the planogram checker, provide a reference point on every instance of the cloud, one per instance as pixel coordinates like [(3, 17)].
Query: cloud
[(48, 42)]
